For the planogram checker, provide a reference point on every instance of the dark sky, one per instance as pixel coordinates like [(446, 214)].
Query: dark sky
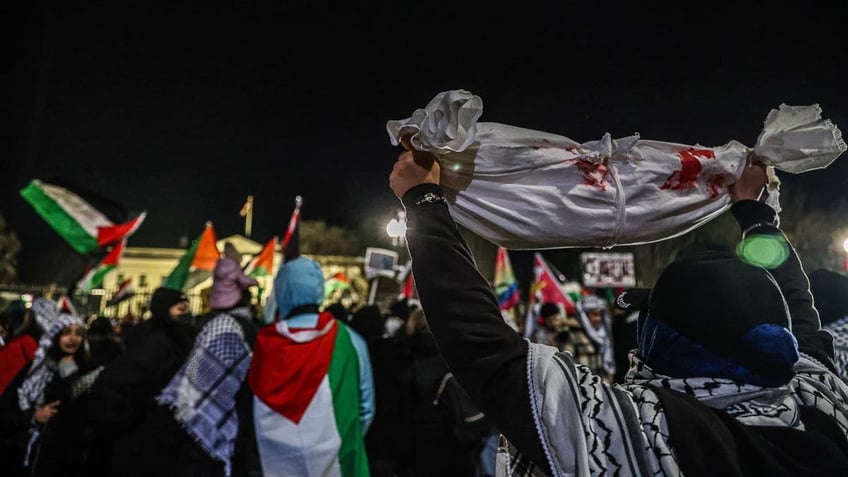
[(183, 109)]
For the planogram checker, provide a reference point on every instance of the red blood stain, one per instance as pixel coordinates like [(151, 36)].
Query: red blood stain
[(594, 174), (690, 169)]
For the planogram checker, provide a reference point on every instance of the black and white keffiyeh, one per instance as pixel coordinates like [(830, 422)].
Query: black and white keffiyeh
[(839, 330), (202, 395), (588, 426), (602, 335), (43, 368)]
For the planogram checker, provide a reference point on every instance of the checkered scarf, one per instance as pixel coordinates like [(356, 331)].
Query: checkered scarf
[(202, 395), (43, 368), (839, 330), (753, 405)]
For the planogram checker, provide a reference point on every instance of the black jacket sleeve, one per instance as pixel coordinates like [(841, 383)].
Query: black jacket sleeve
[(488, 357), (757, 218)]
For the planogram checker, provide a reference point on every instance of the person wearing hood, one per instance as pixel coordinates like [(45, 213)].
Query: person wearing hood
[(312, 383), (104, 343), (136, 436), (732, 374), (44, 412), (209, 395)]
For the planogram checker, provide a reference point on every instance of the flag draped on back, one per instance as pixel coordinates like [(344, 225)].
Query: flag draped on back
[(306, 413), (549, 285), (198, 262), (79, 222), (93, 277), (263, 263), (506, 287)]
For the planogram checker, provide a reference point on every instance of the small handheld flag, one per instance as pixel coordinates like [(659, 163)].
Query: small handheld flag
[(198, 262)]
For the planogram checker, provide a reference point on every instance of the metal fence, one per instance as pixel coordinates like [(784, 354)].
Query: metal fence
[(98, 302)]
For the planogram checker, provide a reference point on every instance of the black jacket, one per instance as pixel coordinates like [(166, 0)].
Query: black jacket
[(488, 358), (64, 442), (134, 435)]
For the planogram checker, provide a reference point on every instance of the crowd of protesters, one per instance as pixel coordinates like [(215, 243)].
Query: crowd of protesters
[(236, 390), (652, 384)]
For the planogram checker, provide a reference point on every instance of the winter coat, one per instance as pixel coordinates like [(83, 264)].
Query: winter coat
[(135, 435), (63, 443), (560, 419)]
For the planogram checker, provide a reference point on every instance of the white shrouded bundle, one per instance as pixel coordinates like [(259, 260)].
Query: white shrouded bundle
[(527, 190)]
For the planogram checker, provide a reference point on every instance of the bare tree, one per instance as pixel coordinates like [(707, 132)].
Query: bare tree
[(818, 233), (10, 246), (318, 238)]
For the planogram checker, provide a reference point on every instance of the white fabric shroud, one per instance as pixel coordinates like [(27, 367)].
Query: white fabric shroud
[(529, 190)]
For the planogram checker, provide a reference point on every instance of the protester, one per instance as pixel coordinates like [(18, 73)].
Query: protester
[(830, 292), (311, 377), (551, 329), (134, 435), (45, 428), (596, 324), (716, 387), (397, 316), (209, 395), (339, 311), (567, 333), (388, 438), (104, 343), (229, 280), (21, 345), (430, 435)]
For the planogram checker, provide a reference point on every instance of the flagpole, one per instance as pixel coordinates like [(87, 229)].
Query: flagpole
[(247, 213)]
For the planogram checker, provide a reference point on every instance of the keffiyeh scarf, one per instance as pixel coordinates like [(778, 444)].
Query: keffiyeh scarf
[(43, 368), (202, 395), (812, 386), (839, 330), (601, 336)]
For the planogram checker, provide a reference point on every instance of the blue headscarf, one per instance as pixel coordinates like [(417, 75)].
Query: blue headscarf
[(711, 314), (672, 354), (298, 282)]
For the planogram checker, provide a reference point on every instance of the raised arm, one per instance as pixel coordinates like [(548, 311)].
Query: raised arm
[(487, 356), (757, 218)]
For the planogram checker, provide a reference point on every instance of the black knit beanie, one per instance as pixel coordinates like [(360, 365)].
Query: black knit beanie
[(714, 298), (163, 299)]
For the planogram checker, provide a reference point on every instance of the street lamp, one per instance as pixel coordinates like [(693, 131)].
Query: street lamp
[(845, 262), (396, 229)]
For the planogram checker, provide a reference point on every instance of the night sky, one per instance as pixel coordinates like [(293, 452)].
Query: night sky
[(183, 110)]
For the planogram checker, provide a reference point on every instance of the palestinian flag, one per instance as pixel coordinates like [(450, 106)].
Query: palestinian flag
[(549, 285), (306, 413), (66, 306), (263, 264), (506, 287), (198, 262), (336, 286), (125, 292), (407, 283), (77, 219), (93, 277)]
